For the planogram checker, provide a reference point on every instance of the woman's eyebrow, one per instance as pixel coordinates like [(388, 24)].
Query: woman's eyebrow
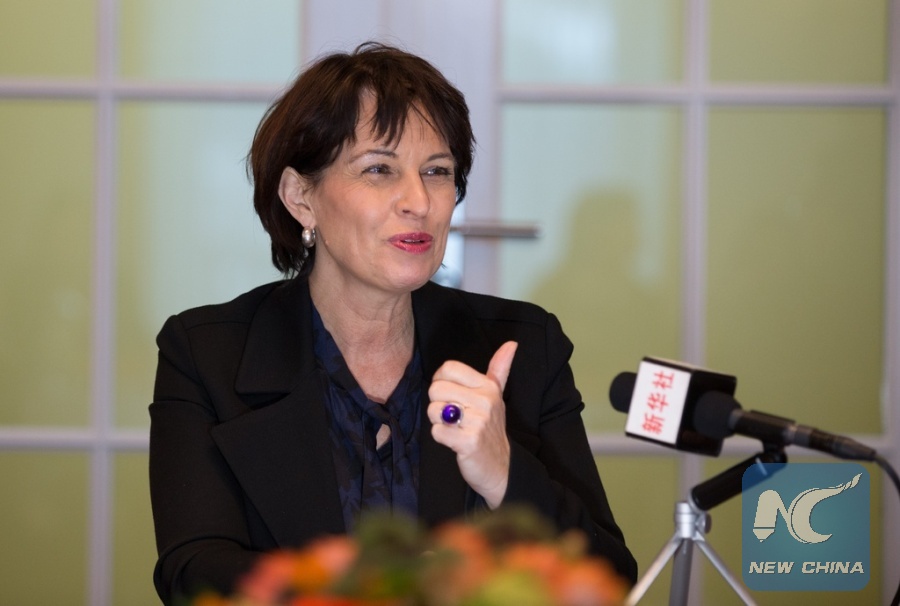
[(440, 156), (392, 154), (378, 151)]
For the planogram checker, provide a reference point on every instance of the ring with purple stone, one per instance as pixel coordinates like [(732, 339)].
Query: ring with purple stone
[(451, 414)]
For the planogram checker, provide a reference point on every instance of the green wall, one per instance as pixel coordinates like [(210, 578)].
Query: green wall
[(795, 234)]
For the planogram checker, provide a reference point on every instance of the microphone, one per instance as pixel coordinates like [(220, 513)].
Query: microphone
[(660, 401), (719, 415)]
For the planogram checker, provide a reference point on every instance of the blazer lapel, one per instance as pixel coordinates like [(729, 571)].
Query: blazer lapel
[(281, 452), (446, 329)]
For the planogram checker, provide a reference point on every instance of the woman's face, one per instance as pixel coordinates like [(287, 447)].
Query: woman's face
[(382, 211)]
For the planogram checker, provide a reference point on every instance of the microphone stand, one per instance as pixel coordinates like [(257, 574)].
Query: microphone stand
[(692, 522)]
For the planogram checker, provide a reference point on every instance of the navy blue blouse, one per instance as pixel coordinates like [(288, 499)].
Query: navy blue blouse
[(370, 479)]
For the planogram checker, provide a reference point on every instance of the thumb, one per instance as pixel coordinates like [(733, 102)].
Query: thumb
[(498, 368)]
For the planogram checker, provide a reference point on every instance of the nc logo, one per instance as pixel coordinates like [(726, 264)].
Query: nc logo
[(796, 517)]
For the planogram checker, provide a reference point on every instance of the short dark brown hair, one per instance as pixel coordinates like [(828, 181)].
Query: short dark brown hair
[(307, 127)]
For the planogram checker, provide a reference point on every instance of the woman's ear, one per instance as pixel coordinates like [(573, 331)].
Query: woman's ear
[(293, 189)]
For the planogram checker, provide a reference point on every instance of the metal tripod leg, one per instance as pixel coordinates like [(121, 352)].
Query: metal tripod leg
[(653, 571), (691, 525), (716, 561)]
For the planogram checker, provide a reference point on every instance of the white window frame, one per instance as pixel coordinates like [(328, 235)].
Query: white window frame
[(463, 39)]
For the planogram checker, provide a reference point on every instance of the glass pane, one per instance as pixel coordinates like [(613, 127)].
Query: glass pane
[(727, 536), (187, 231), (43, 517), (592, 41), (799, 41), (227, 40), (796, 245), (644, 510), (604, 185), (46, 150), (134, 548), (47, 37)]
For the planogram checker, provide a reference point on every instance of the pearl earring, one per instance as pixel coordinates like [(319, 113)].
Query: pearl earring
[(308, 237)]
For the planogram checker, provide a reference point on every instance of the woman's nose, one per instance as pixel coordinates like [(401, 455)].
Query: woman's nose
[(414, 196)]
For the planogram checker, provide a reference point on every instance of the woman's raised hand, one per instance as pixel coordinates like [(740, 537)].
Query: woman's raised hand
[(478, 437)]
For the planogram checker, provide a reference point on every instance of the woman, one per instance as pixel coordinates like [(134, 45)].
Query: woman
[(357, 384)]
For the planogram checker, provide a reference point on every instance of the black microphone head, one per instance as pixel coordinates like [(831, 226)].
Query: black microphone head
[(712, 415), (621, 390)]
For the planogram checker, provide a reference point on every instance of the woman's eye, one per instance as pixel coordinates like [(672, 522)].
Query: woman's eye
[(439, 171), (378, 169)]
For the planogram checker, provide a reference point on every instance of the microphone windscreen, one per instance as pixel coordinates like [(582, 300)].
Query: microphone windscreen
[(712, 414), (621, 389)]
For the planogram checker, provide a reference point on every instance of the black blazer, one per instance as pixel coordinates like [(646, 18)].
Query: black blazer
[(240, 459)]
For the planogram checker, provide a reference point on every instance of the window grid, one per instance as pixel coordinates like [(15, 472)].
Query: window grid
[(103, 440), (696, 96)]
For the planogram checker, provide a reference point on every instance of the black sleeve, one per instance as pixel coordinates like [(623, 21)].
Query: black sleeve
[(198, 511), (556, 472)]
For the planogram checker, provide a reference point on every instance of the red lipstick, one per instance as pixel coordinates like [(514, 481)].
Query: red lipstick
[(414, 242)]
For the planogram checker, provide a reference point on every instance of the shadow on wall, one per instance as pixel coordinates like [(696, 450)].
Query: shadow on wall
[(615, 292)]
